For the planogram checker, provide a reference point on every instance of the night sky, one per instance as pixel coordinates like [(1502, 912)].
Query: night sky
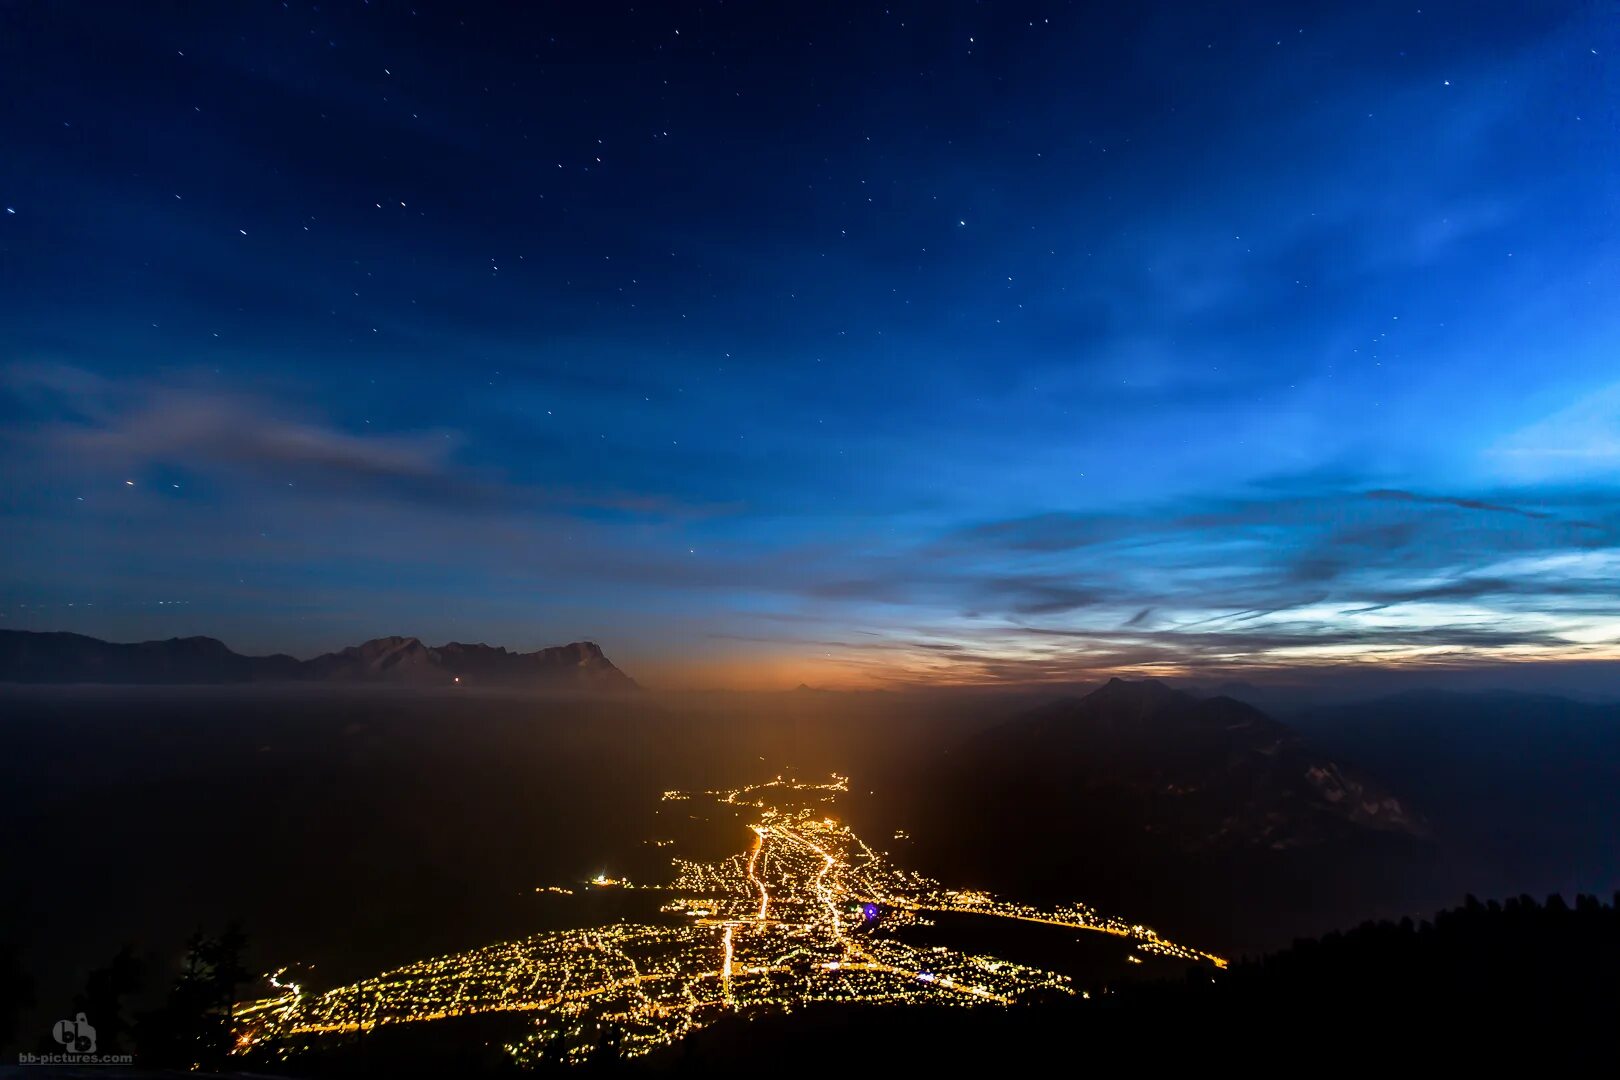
[(846, 344)]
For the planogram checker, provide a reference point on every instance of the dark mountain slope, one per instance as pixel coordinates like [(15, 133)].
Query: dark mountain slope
[(28, 657), (1524, 789), (1202, 813), (1203, 773)]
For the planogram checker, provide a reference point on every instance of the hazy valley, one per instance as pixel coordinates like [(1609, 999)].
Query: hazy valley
[(354, 830)]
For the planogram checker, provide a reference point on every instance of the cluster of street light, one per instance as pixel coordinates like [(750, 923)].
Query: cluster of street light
[(807, 913)]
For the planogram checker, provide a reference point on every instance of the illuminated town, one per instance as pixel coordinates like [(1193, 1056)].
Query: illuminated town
[(806, 913)]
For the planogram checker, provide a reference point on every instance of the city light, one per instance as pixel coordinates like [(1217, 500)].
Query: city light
[(764, 930)]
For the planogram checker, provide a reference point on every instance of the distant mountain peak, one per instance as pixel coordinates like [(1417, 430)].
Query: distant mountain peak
[(1141, 689)]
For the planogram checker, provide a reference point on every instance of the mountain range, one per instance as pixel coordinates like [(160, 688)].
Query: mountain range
[(30, 657)]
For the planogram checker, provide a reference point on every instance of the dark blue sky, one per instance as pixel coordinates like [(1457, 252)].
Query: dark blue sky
[(769, 342)]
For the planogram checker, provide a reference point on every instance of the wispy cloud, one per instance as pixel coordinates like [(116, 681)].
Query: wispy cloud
[(1353, 575), (1581, 440), (88, 423)]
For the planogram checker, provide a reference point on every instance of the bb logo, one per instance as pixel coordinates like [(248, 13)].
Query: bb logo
[(76, 1034)]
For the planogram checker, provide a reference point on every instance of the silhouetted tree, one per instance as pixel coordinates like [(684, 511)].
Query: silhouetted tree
[(193, 1028), (16, 993), (555, 1052), (605, 1056), (102, 1001)]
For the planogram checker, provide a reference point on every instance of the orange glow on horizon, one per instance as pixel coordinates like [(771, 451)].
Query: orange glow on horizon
[(901, 669)]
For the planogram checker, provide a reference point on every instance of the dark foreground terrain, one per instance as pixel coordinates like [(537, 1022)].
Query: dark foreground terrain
[(348, 832), (1483, 985)]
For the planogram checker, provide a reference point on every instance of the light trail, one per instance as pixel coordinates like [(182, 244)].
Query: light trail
[(753, 860), (725, 967)]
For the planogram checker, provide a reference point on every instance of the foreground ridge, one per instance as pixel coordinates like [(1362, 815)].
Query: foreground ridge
[(807, 913)]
